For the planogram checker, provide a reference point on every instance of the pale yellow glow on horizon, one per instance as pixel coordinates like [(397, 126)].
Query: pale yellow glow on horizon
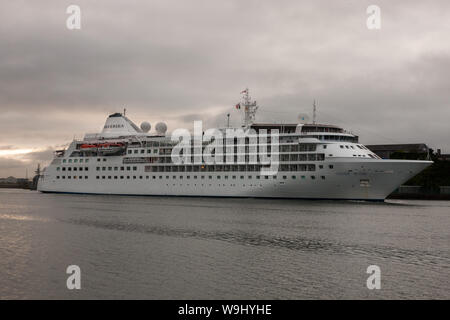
[(14, 152)]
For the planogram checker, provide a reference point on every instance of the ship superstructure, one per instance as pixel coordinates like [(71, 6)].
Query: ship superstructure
[(315, 161)]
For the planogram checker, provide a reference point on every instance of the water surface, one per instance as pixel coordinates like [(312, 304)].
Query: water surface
[(214, 248)]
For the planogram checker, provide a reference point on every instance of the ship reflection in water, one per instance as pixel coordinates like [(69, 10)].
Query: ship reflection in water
[(202, 248)]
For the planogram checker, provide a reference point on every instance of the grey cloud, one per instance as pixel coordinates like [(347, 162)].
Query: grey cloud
[(179, 61)]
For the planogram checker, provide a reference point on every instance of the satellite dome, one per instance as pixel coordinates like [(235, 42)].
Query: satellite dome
[(161, 128), (145, 126)]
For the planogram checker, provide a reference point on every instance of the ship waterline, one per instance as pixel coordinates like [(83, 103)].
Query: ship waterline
[(313, 162)]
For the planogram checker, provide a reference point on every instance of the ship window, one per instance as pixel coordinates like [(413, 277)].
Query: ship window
[(155, 151), (266, 177), (109, 168), (57, 168), (63, 168), (149, 151), (98, 168), (323, 177), (109, 177), (174, 177), (284, 177), (342, 147), (209, 177), (75, 160), (86, 160), (294, 177), (69, 168), (325, 146), (134, 168), (136, 151), (69, 177), (153, 177), (64, 161), (320, 166), (104, 159), (116, 168), (81, 169), (203, 177), (81, 160), (121, 177), (346, 147), (103, 177), (80, 177), (313, 177), (70, 160), (226, 177), (140, 177), (129, 151), (181, 177), (258, 177), (57, 177), (97, 177), (63, 177), (331, 166), (128, 177), (249, 177), (218, 177), (98, 160), (195, 177), (128, 168)]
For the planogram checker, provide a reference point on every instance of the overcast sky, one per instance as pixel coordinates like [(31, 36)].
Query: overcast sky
[(179, 61)]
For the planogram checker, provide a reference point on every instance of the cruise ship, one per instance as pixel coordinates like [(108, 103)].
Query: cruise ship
[(312, 161)]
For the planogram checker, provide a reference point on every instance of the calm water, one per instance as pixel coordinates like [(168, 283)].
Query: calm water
[(203, 248)]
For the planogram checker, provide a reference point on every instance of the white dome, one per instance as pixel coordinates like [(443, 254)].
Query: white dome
[(161, 128), (145, 126)]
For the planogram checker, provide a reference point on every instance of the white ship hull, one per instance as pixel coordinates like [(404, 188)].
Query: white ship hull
[(307, 161), (365, 179)]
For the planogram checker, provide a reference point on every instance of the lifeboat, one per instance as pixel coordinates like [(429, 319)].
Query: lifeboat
[(88, 147), (110, 148)]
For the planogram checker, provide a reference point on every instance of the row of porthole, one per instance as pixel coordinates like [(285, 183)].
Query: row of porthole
[(195, 177)]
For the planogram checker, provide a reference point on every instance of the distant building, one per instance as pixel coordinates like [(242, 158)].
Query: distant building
[(386, 150), (8, 180), (409, 189), (442, 157), (444, 189)]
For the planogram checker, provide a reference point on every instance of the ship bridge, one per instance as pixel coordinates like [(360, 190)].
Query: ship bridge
[(321, 132)]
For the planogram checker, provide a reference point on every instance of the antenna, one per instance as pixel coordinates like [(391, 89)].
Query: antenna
[(228, 120), (314, 112), (124, 111), (249, 108)]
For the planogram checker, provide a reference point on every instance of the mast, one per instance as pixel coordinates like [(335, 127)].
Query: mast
[(314, 112), (250, 108)]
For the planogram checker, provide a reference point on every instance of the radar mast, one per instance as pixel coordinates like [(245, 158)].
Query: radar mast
[(250, 108)]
